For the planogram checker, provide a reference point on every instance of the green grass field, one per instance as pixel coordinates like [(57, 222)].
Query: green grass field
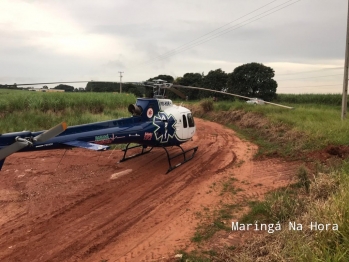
[(25, 110), (323, 99), (321, 124)]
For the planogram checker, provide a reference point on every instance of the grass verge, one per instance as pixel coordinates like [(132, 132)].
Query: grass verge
[(304, 235), (318, 198), (280, 131)]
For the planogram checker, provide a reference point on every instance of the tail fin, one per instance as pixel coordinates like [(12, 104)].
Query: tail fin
[(1, 163)]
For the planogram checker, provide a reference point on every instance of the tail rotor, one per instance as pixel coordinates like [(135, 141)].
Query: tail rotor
[(21, 143)]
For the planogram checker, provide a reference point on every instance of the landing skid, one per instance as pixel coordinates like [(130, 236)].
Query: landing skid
[(194, 149), (135, 155), (169, 158)]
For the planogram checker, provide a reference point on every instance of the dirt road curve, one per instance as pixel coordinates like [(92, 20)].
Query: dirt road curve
[(91, 208)]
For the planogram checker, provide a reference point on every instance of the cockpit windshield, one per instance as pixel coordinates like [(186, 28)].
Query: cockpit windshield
[(190, 120)]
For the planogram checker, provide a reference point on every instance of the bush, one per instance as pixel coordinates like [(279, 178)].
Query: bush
[(207, 105)]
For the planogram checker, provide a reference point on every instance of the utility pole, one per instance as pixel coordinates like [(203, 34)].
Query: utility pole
[(345, 81), (120, 81)]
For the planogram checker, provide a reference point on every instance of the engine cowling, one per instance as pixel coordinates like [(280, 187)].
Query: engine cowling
[(135, 110)]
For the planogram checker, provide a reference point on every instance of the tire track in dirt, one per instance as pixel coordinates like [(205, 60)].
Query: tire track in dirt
[(76, 212)]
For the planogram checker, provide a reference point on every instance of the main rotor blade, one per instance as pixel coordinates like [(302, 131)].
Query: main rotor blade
[(51, 133), (18, 145), (229, 94), (72, 82), (176, 91), (33, 84)]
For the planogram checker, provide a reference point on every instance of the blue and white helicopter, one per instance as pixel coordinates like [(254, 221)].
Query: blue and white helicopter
[(155, 122)]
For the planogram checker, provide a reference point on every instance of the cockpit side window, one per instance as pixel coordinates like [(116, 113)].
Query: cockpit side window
[(185, 124), (191, 120)]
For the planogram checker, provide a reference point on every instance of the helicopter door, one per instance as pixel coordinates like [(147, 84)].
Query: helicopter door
[(185, 127), (191, 125)]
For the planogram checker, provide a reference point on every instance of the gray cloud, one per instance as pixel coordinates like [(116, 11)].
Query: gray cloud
[(131, 35)]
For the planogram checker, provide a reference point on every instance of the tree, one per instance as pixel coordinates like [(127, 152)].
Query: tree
[(14, 86), (191, 79), (138, 91), (45, 87), (253, 80), (95, 86), (177, 80), (66, 88), (215, 80)]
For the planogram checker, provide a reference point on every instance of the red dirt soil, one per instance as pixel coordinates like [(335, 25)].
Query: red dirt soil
[(81, 205)]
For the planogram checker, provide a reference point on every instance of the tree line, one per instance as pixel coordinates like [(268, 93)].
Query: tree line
[(251, 80)]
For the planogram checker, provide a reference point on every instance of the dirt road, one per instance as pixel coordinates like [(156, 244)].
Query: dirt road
[(80, 205)]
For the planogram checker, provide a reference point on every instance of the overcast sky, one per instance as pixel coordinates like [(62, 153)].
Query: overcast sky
[(70, 40)]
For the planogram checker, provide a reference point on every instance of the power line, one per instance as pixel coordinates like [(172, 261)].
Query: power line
[(194, 40), (225, 31), (228, 30)]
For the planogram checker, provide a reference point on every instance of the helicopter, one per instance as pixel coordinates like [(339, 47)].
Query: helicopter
[(155, 122)]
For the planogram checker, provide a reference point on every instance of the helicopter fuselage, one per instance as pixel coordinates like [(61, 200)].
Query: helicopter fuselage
[(158, 123)]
